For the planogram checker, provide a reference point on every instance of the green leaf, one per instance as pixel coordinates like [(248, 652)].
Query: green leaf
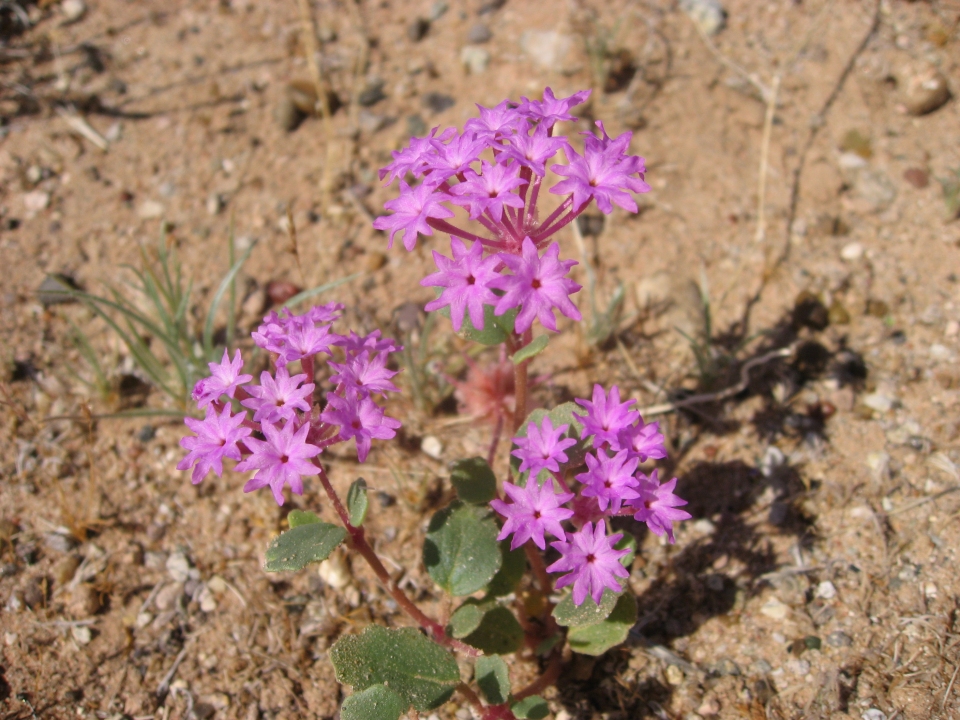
[(493, 678), (296, 518), (224, 286), (460, 550), (531, 349), (627, 542), (414, 667), (589, 613), (300, 546), (597, 639), (533, 708), (357, 502), (495, 329), (474, 480), (375, 703), (545, 647), (511, 571), (487, 625), (560, 415)]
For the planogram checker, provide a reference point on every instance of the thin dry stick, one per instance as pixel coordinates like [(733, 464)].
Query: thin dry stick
[(764, 160), (943, 703)]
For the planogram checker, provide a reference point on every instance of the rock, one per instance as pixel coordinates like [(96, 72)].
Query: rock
[(65, 569), (371, 123), (59, 542), (774, 609), (857, 143), (178, 567), (826, 590), (674, 675), (114, 132), (839, 639), (374, 261), (704, 527), (372, 93), (837, 314), (168, 596), (918, 177), (926, 91), (418, 29), (36, 201), (437, 10), (437, 102), (84, 601), (146, 433), (287, 115), (35, 593), (280, 291), (149, 209), (489, 6), (432, 447), (479, 34), (215, 203), (217, 584), (852, 251), (81, 634), (9, 570), (875, 189), (335, 571), (55, 290), (902, 434), (709, 15), (879, 464), (73, 10), (416, 126), (546, 48), (474, 59), (879, 402), (873, 714), (208, 603)]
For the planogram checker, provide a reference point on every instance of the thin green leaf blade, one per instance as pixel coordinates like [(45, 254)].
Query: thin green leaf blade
[(215, 303), (531, 350), (302, 545), (357, 502)]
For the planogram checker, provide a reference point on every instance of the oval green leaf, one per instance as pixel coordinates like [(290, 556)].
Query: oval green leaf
[(531, 349), (495, 329), (460, 551), (296, 518), (404, 660), (375, 703), (357, 502), (302, 545), (588, 613), (473, 480), (499, 632), (493, 678), (511, 571), (598, 638), (531, 708)]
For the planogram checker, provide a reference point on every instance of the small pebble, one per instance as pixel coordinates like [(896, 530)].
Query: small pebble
[(418, 29), (775, 609), (335, 572), (208, 603), (81, 634), (674, 675), (432, 447), (215, 203), (917, 177), (437, 102), (474, 59), (437, 10), (73, 10), (479, 33), (925, 92), (839, 639), (372, 93), (147, 433), (708, 15), (374, 261), (873, 714), (36, 201), (168, 596), (826, 590), (178, 567), (84, 601), (930, 591), (416, 126), (280, 291), (852, 251), (149, 209)]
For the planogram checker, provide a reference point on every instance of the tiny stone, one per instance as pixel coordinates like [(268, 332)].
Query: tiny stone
[(930, 591), (873, 714), (335, 572), (437, 10), (775, 609), (217, 585), (190, 588), (372, 93), (168, 596), (154, 560), (215, 203), (143, 619), (288, 115), (762, 667), (952, 329), (55, 289), (84, 601), (709, 707), (73, 10), (479, 33), (879, 402), (418, 29), (9, 638), (674, 675), (704, 527), (114, 132), (81, 634), (826, 590), (708, 15), (60, 543), (36, 201), (432, 447), (374, 261), (34, 174), (546, 48), (474, 59), (147, 433), (926, 91), (8, 570), (437, 102), (208, 603), (156, 531), (371, 122), (149, 209), (33, 594), (416, 126), (178, 567), (798, 667), (852, 251), (917, 177), (839, 639)]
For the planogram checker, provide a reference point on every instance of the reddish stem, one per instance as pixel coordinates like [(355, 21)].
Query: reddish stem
[(562, 208), (444, 226), (358, 537)]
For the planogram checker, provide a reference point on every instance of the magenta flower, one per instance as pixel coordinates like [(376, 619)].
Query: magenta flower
[(606, 417), (591, 561), (304, 339), (534, 150), (415, 157), (455, 157), (224, 380), (534, 511), (610, 480), (489, 190), (466, 281), (603, 173), (411, 211), (216, 438), (542, 448), (278, 399), (551, 109), (281, 459), (359, 418), (643, 441), (365, 375), (657, 505), (537, 286), (495, 122), (323, 313), (354, 344)]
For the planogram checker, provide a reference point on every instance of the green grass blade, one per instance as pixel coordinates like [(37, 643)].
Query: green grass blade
[(224, 285), (307, 294), (232, 310)]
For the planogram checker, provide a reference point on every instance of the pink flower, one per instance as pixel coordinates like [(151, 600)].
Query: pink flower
[(657, 505), (489, 190), (551, 109), (365, 374), (542, 449), (534, 150), (538, 286), (643, 441), (278, 399), (415, 157), (534, 511), (411, 211), (224, 380), (495, 122), (606, 417), (610, 480), (592, 562), (466, 281), (455, 157), (217, 437), (354, 344), (281, 459), (359, 418)]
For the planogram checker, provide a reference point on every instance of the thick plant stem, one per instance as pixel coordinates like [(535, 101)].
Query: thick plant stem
[(520, 384), (360, 544)]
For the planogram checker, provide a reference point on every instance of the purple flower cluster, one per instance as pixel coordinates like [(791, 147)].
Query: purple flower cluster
[(293, 428), (611, 485), (495, 169)]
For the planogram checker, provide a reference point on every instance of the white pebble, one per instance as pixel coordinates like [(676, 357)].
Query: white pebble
[(178, 567), (149, 210), (852, 251), (73, 10), (775, 609), (826, 590), (432, 447), (81, 634)]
